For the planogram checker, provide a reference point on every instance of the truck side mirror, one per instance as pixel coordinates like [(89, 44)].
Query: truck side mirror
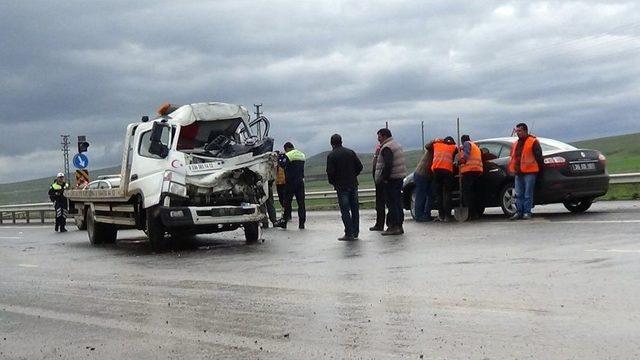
[(157, 147)]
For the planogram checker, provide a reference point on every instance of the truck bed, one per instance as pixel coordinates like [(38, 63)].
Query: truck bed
[(97, 195)]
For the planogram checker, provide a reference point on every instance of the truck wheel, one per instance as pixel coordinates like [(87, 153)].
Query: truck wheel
[(81, 221), (156, 231), (251, 231), (100, 233)]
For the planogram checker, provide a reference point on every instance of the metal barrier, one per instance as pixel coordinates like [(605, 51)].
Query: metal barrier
[(41, 208)]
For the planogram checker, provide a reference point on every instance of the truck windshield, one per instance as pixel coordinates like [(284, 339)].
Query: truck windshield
[(200, 133)]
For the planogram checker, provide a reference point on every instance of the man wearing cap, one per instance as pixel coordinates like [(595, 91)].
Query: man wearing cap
[(56, 194)]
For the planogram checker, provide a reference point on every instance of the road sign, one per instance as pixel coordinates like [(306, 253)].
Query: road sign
[(80, 161), (82, 178)]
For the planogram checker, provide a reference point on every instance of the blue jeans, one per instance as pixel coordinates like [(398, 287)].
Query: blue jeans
[(350, 210), (525, 184), (423, 197)]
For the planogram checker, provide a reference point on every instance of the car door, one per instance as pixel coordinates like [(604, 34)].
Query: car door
[(494, 171)]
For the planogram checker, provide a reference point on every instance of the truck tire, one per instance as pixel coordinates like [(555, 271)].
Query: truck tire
[(156, 231), (81, 220), (251, 231), (100, 233)]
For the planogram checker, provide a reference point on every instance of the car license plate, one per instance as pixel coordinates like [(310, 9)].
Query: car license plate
[(583, 166)]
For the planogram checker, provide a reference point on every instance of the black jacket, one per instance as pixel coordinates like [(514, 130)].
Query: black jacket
[(343, 168)]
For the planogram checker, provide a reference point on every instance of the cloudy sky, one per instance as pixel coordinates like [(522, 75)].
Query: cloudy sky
[(570, 69)]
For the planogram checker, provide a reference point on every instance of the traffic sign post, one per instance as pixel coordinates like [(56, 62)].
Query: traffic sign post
[(80, 161)]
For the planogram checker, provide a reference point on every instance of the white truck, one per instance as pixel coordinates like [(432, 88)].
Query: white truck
[(198, 168)]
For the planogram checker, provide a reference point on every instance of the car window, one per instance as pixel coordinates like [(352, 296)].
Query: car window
[(93, 185), (495, 149), (103, 185)]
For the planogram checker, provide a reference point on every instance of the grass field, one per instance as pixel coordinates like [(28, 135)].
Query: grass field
[(622, 152)]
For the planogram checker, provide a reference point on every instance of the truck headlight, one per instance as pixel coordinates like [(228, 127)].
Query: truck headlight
[(178, 189)]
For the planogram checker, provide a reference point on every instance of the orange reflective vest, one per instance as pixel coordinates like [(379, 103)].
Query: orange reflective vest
[(528, 163), (474, 162), (443, 156)]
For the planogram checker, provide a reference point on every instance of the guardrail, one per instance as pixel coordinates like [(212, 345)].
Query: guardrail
[(26, 210)]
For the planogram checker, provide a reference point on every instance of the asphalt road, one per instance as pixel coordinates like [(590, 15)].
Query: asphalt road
[(560, 286)]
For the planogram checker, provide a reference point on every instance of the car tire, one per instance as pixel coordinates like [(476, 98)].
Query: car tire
[(578, 206), (100, 233), (507, 199), (412, 203), (251, 231), (158, 241)]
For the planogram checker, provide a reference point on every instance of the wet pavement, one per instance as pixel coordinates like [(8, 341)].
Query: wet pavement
[(560, 286)]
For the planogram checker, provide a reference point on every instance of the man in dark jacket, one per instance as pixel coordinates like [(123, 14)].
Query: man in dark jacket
[(56, 194), (343, 168), (390, 172), (293, 163)]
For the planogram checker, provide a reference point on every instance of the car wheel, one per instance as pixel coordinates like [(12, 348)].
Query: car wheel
[(412, 204), (508, 199), (251, 231), (577, 206)]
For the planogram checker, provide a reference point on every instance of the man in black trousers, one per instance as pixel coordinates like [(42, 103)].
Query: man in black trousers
[(343, 168)]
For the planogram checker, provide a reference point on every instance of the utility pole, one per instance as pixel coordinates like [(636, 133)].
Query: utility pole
[(386, 124), (258, 114), (422, 132), (65, 151)]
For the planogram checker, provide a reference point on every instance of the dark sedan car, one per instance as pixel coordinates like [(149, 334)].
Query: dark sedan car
[(572, 176)]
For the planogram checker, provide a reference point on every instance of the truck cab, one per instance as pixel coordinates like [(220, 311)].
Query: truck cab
[(197, 168)]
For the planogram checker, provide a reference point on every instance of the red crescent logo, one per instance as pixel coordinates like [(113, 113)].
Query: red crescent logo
[(176, 164)]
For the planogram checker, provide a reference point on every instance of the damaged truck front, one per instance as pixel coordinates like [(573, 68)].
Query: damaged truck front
[(198, 168)]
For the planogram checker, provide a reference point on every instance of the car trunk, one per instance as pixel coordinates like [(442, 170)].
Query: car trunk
[(576, 162)]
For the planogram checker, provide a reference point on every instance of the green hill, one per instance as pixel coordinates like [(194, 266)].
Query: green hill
[(622, 152)]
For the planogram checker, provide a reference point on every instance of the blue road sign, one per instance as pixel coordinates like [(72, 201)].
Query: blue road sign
[(80, 161)]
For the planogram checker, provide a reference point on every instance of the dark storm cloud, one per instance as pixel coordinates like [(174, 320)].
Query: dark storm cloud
[(77, 67)]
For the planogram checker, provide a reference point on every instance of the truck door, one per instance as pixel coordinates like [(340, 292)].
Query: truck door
[(147, 169)]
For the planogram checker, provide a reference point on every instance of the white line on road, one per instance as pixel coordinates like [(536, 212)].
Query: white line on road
[(28, 265), (10, 237), (614, 250), (596, 221)]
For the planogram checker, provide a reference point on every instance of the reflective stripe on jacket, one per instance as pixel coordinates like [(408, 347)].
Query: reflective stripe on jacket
[(443, 156), (528, 163), (474, 162)]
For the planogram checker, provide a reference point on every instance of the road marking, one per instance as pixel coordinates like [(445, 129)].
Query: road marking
[(28, 265), (596, 221), (10, 237), (615, 250)]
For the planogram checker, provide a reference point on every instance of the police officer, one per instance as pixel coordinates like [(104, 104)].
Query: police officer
[(293, 163), (56, 194)]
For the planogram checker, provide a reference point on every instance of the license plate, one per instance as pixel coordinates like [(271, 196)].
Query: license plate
[(583, 166)]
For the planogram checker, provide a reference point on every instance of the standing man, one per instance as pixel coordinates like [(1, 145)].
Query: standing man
[(56, 194), (390, 171), (343, 168), (422, 178), (470, 165), (380, 212), (293, 163), (526, 162), (442, 166)]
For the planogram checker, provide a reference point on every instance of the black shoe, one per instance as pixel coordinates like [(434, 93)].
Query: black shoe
[(62, 229), (393, 231), (56, 227), (346, 238), (516, 216), (280, 223), (301, 226), (376, 228)]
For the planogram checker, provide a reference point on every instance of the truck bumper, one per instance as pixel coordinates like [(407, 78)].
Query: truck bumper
[(209, 215)]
